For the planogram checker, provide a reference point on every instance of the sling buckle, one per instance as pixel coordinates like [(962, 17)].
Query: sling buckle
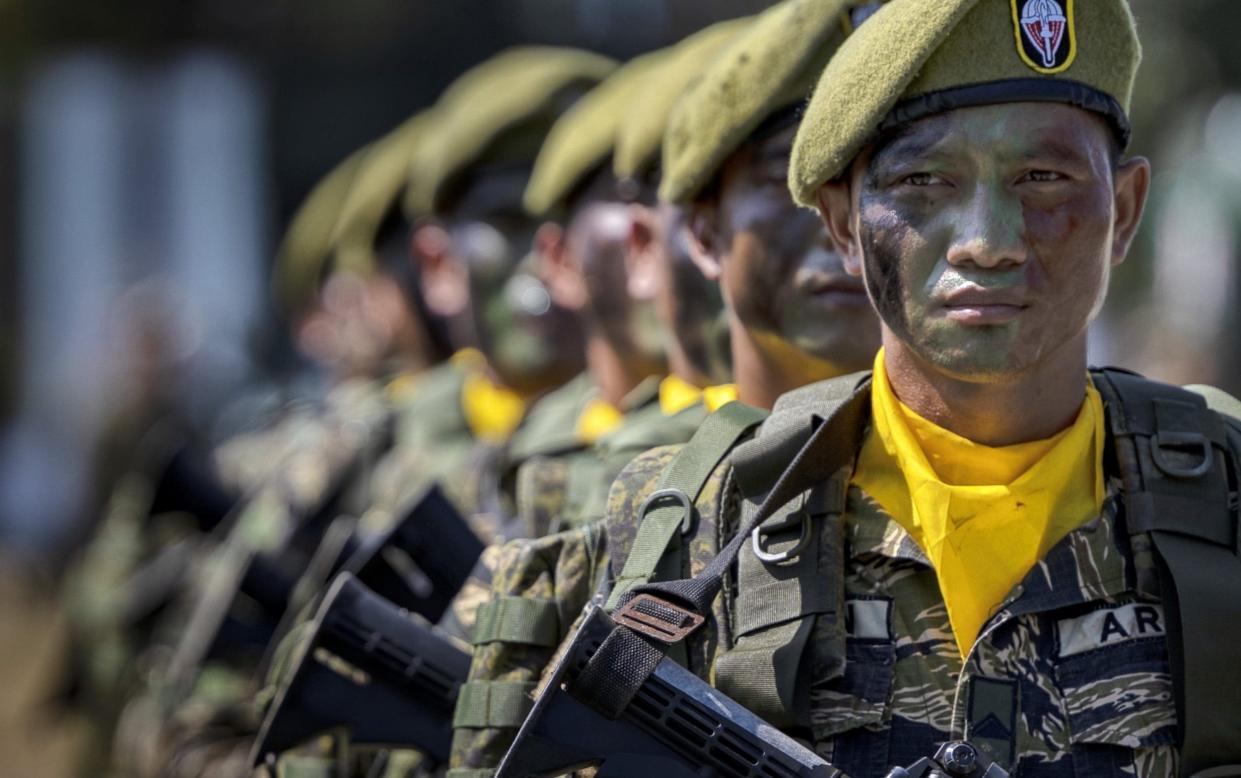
[(1164, 442), (657, 618)]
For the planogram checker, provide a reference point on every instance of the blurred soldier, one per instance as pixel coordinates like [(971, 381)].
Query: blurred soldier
[(514, 340), (153, 527), (743, 238), (195, 715), (979, 539)]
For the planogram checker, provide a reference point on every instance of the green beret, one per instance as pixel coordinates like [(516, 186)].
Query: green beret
[(582, 139), (497, 112), (301, 260), (914, 58), (642, 128), (380, 181), (771, 66)]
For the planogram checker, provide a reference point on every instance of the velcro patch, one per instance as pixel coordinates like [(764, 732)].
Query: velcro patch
[(868, 619), (1110, 626)]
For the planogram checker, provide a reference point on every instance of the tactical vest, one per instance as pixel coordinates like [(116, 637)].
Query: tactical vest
[(1177, 454)]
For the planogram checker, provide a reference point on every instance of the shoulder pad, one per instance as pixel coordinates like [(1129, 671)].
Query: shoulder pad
[(760, 461), (1218, 400)]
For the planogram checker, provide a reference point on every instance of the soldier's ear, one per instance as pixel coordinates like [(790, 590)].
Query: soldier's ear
[(706, 244), (1133, 181), (642, 252), (835, 203), (445, 284), (558, 268)]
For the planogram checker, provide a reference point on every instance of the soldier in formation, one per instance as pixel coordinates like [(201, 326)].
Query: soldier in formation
[(766, 351)]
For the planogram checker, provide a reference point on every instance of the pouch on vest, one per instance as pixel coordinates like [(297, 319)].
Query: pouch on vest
[(788, 576)]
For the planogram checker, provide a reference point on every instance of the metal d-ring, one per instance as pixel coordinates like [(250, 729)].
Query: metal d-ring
[(801, 517), (687, 505), (1162, 441)]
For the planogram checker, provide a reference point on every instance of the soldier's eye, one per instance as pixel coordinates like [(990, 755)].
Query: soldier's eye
[(922, 179), (1043, 176)]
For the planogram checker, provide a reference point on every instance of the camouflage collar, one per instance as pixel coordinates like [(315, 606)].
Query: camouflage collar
[(871, 531), (1091, 563)]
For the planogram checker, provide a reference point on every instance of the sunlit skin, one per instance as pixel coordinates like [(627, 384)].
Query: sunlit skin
[(986, 237), (586, 267), (795, 315)]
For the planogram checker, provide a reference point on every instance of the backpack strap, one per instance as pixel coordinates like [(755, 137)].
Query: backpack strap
[(1180, 478), (668, 512)]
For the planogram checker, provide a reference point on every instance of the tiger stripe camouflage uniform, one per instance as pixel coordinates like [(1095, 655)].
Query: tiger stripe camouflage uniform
[(1070, 677)]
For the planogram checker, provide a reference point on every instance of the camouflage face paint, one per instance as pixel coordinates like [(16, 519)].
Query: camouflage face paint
[(986, 234), (780, 277), (526, 337)]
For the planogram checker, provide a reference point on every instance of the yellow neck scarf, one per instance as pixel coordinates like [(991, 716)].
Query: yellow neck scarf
[(491, 411), (677, 394), (983, 515), (598, 418)]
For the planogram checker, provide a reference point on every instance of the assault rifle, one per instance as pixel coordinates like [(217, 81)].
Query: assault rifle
[(678, 726), (372, 669), (418, 563), (268, 538)]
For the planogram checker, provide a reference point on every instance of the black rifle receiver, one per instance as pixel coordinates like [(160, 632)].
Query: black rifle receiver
[(676, 727), (370, 668), (423, 560)]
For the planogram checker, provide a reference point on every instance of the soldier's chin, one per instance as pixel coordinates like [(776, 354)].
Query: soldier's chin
[(973, 360), (844, 349)]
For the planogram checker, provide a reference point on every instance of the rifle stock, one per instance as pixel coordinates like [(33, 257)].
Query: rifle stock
[(372, 670)]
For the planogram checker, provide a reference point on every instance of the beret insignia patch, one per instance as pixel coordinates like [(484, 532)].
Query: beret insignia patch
[(1045, 35)]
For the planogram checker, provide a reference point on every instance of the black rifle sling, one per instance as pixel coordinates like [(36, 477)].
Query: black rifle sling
[(1180, 490), (653, 617)]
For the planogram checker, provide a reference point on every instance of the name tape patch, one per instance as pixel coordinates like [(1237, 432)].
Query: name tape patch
[(1110, 626)]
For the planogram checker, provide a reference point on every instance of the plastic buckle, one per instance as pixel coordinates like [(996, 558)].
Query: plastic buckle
[(687, 518), (1163, 442), (657, 618), (760, 533)]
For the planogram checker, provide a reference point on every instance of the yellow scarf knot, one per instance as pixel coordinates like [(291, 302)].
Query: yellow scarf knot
[(983, 515)]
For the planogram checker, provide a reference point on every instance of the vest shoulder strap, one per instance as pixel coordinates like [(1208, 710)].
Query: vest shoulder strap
[(1178, 461), (668, 512)]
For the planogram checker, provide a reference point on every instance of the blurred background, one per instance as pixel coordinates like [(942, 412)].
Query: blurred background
[(151, 153)]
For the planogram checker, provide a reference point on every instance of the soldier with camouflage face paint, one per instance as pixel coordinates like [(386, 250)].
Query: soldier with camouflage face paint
[(1014, 551), (472, 242), (559, 572), (460, 182)]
